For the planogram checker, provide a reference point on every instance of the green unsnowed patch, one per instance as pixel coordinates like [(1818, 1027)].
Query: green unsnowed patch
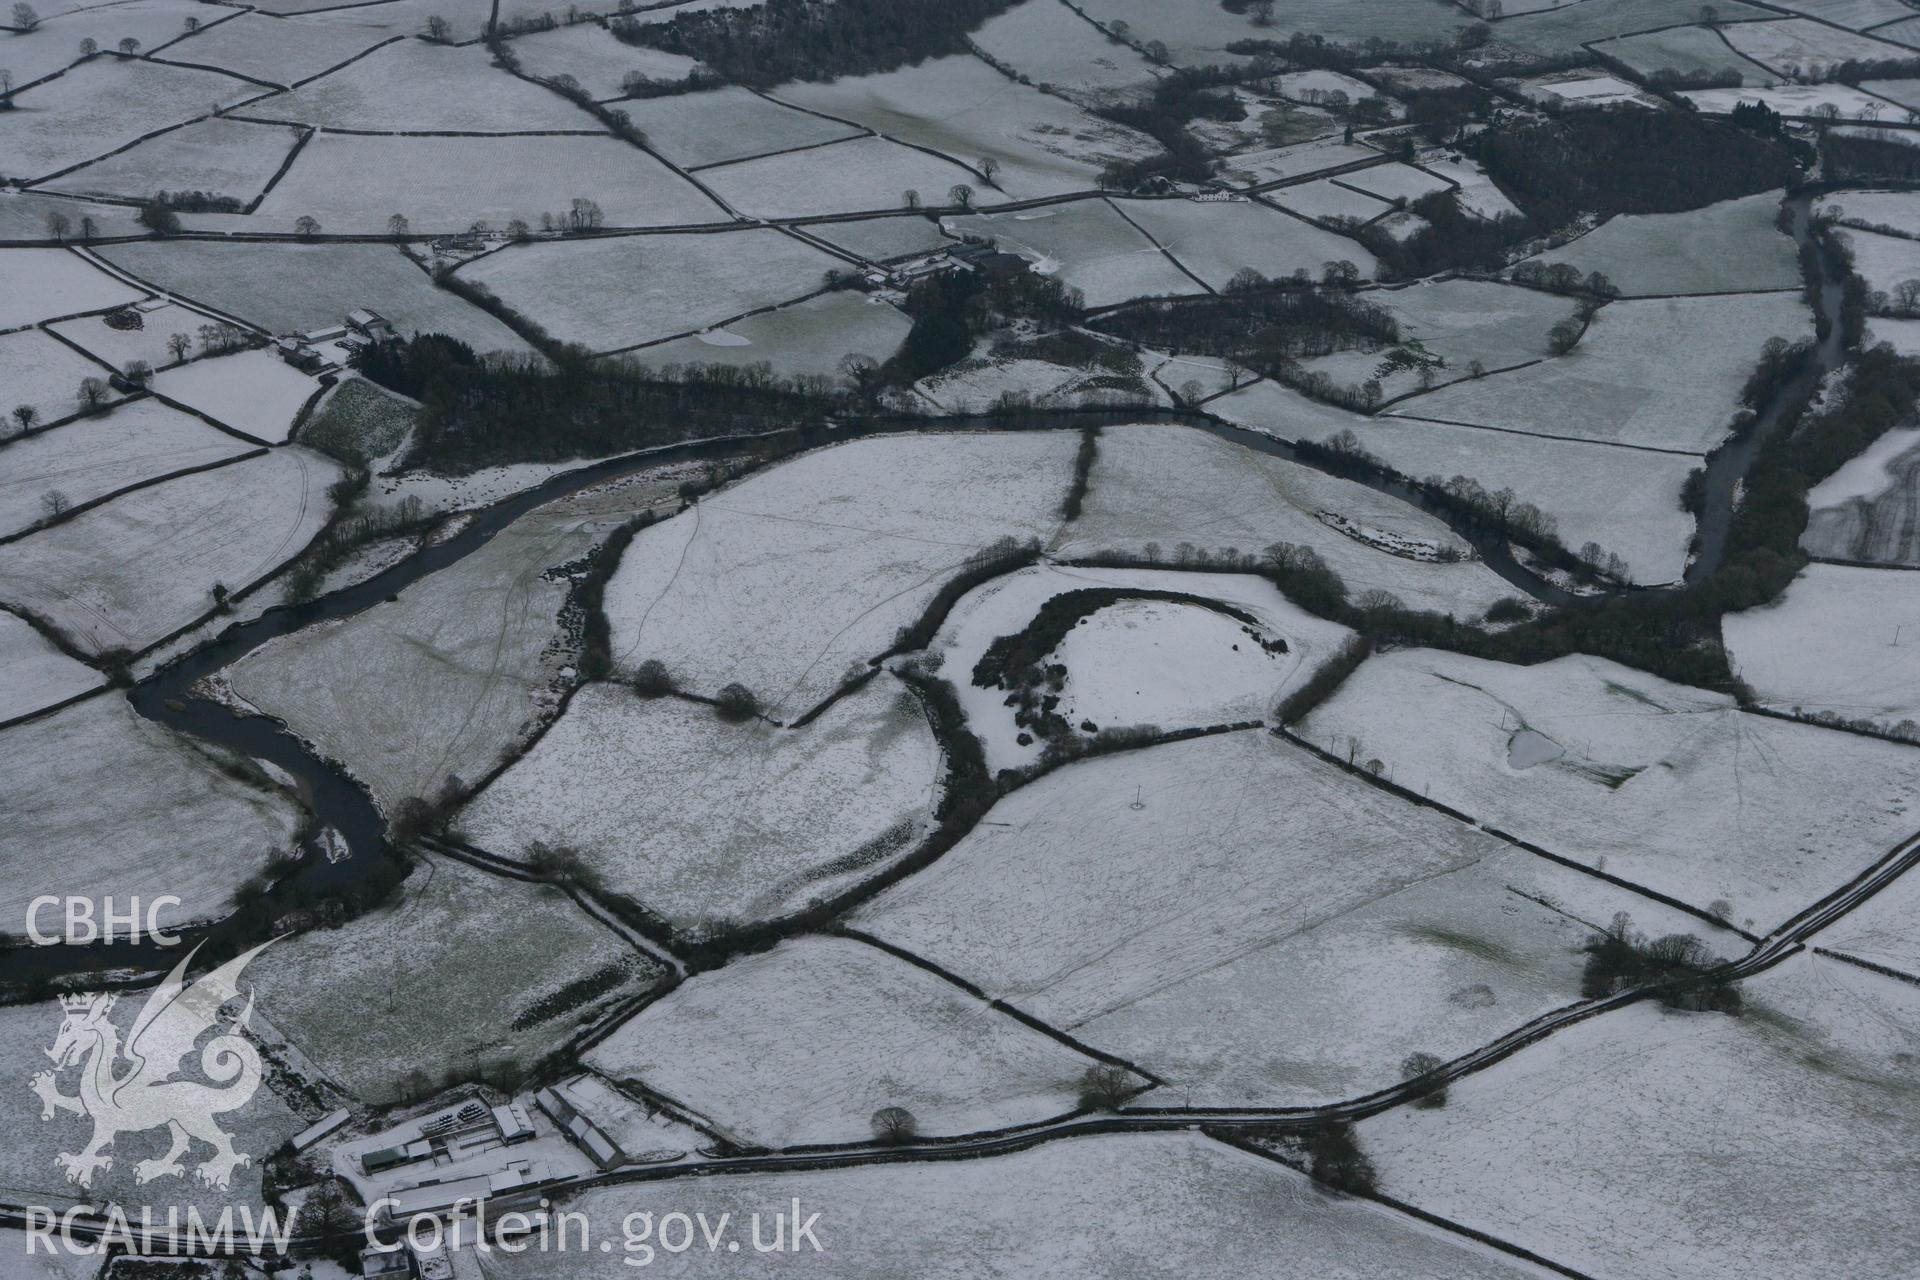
[(360, 422)]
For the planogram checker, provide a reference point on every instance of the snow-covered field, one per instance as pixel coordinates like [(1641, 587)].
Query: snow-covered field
[(809, 337), (1684, 51), (99, 799), (803, 1043), (1476, 192), (1726, 247), (976, 386), (1325, 199), (457, 670), (1666, 786), (590, 54), (1857, 15), (620, 292), (1088, 245), (1679, 1146), (40, 284), (463, 973), (284, 50), (1142, 662), (1899, 210), (1622, 384), (1460, 321), (1841, 640), (1627, 500), (711, 824), (1805, 48), (121, 347), (103, 104), (1052, 45), (1883, 262), (300, 287), (1125, 882), (1199, 35), (255, 392), (418, 85), (881, 239), (1215, 240), (354, 184), (792, 578), (1170, 487), (1791, 100), (964, 109), (42, 372), (219, 156), (1860, 511), (95, 456), (1392, 182), (34, 674), (855, 176), (1294, 160), (1150, 1207), (720, 125)]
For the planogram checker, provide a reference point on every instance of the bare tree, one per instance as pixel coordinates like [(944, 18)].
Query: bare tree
[(438, 28), (58, 225), (894, 1126), (736, 703), (93, 392), (397, 226), (24, 16), (55, 503), (138, 372), (517, 229), (88, 227), (306, 226), (989, 167), (178, 345), (910, 198), (961, 194), (129, 46), (862, 373), (89, 46), (1104, 1086), (24, 415), (1420, 1064)]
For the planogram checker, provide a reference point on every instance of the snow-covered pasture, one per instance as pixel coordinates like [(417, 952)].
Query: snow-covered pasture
[(1214, 240), (809, 337), (351, 183), (1294, 160), (301, 287), (716, 126), (98, 796), (1732, 246), (1173, 487), (1199, 35), (1843, 641), (1089, 245), (1857, 15), (1169, 664), (467, 971), (1606, 1147), (965, 110), (1172, 1206), (1662, 785), (1899, 211), (880, 239), (1627, 500), (1883, 262), (710, 824), (133, 571), (1461, 321), (803, 1043), (1565, 29), (619, 292), (103, 454), (1052, 45), (860, 175), (223, 157), (1326, 199), (34, 674), (44, 373), (1473, 189), (121, 347), (103, 104), (1793, 100), (1860, 511), (40, 284), (254, 392), (1804, 48), (1684, 51), (285, 50), (418, 85), (590, 54), (1396, 181), (1622, 384), (454, 673), (797, 576)]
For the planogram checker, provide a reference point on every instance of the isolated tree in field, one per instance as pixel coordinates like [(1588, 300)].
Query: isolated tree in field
[(1335, 1159), (306, 226), (55, 503), (89, 46), (961, 194), (221, 595), (1263, 13), (129, 46), (438, 28), (24, 16), (6, 84), (24, 415), (894, 1126), (518, 230), (736, 703), (910, 198), (57, 225), (88, 227), (1156, 50), (93, 392), (397, 226), (1192, 392), (178, 345), (989, 168), (1104, 1086), (651, 679)]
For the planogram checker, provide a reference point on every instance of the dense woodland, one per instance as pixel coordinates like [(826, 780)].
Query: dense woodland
[(1256, 324), (801, 40)]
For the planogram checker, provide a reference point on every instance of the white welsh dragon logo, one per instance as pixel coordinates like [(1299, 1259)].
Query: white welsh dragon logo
[(147, 1095)]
